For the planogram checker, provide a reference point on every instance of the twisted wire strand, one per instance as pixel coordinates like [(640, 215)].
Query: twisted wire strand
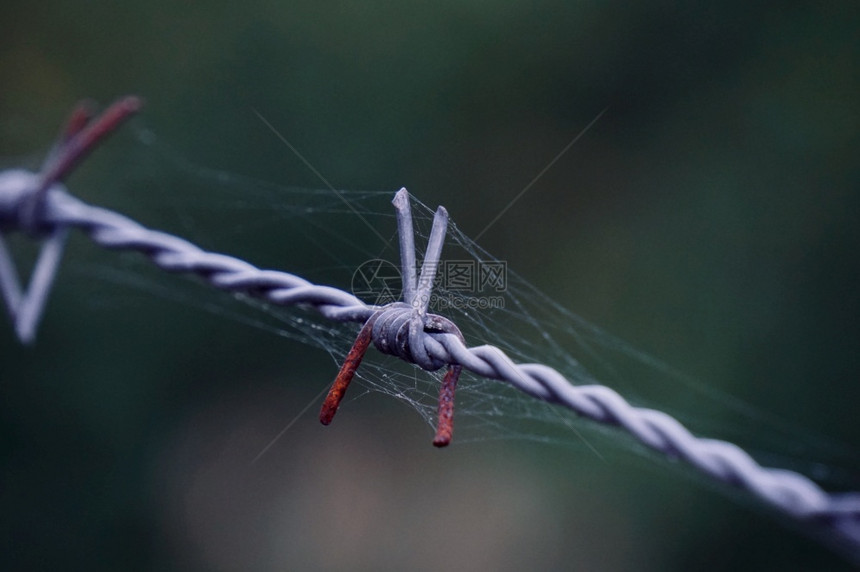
[(787, 491)]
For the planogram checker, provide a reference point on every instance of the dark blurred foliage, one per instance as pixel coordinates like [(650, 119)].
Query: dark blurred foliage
[(710, 217)]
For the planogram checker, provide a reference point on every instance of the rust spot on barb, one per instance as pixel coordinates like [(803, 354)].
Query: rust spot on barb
[(346, 373)]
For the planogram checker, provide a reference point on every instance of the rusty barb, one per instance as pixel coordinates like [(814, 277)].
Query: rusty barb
[(79, 137), (399, 328), (39, 205)]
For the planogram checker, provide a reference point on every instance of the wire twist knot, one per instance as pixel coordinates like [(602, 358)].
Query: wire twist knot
[(21, 199), (400, 330)]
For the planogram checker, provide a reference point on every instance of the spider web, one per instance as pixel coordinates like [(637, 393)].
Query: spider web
[(347, 239)]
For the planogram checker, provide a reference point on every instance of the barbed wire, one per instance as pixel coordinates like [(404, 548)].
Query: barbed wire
[(430, 347)]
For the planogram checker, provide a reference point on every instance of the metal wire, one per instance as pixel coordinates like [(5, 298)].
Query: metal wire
[(836, 516)]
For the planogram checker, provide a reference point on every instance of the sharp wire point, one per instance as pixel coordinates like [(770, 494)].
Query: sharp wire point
[(83, 137), (32, 304), (10, 285), (406, 237), (431, 260), (347, 372)]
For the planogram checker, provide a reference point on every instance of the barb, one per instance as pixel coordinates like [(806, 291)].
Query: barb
[(397, 329), (79, 137), (435, 345)]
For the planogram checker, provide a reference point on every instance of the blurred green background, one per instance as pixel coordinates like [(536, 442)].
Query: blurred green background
[(710, 217)]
